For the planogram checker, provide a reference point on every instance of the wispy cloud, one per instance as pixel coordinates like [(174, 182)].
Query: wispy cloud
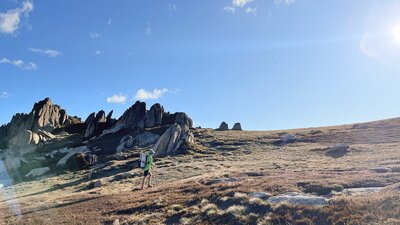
[(142, 94), (4, 94), (284, 2), (94, 35), (148, 29), (19, 63), (10, 20), (236, 4), (117, 99), (229, 9), (48, 52), (109, 22), (250, 10), (97, 52), (171, 8), (240, 3)]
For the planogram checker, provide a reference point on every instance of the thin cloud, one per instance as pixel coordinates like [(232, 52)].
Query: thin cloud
[(171, 8), (250, 10), (148, 29), (142, 94), (98, 52), (229, 9), (94, 35), (240, 4), (19, 63), (4, 94), (10, 20), (109, 22), (284, 2), (48, 52), (117, 99)]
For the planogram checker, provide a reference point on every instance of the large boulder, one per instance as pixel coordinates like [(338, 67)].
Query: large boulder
[(80, 161), (172, 139), (237, 126), (38, 172), (223, 127), (70, 153), (22, 139), (146, 138)]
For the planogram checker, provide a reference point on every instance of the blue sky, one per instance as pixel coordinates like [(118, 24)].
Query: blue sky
[(267, 64)]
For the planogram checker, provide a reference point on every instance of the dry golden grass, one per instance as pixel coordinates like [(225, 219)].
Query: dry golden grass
[(183, 194)]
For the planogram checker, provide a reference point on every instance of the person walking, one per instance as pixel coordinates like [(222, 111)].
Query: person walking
[(147, 169)]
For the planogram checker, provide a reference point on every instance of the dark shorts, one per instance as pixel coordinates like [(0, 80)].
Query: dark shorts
[(146, 173)]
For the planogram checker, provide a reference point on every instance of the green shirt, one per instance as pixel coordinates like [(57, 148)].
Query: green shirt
[(149, 162)]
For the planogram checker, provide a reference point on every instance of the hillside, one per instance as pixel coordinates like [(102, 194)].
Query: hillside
[(346, 174)]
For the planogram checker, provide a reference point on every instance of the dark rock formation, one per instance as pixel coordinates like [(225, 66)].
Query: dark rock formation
[(154, 116), (223, 127), (134, 116), (237, 126), (179, 118), (81, 161), (96, 123)]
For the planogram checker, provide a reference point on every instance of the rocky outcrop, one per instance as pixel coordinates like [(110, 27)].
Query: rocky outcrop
[(295, 198), (45, 116), (154, 116), (179, 118), (237, 126), (172, 139), (223, 127), (134, 116), (97, 123)]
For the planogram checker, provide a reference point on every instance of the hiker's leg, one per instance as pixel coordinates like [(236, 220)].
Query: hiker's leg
[(144, 179), (150, 175)]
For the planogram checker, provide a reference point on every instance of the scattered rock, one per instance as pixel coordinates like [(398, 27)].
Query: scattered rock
[(223, 127), (262, 195), (237, 126), (295, 198), (116, 222), (359, 191), (95, 184), (288, 138), (338, 150), (381, 170), (38, 172)]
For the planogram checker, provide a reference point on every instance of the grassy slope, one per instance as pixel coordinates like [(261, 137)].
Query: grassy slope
[(182, 194)]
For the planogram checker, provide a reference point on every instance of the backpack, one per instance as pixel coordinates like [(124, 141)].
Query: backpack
[(143, 160)]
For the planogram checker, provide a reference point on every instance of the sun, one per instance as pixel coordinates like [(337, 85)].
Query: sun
[(396, 33)]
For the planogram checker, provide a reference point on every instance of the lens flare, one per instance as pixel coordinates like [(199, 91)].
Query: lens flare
[(396, 33)]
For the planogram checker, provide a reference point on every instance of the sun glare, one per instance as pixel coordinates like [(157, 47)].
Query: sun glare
[(396, 33)]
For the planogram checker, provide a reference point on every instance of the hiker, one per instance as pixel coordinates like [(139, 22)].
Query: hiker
[(147, 168)]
